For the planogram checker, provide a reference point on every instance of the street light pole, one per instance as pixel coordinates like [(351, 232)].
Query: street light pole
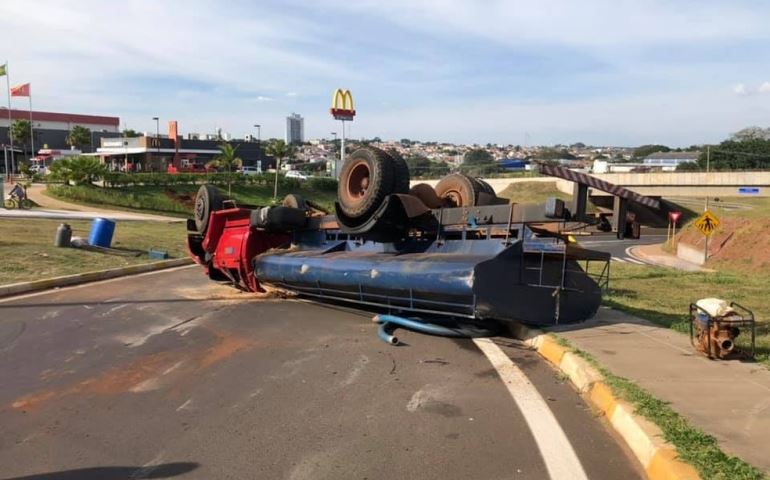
[(259, 145), (336, 165), (157, 138)]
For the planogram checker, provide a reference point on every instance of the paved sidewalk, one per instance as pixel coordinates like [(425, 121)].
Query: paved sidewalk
[(58, 209), (655, 255), (729, 400)]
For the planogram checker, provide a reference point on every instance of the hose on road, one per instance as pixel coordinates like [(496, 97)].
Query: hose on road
[(389, 324)]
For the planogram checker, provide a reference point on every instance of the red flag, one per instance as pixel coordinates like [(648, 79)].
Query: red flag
[(20, 90)]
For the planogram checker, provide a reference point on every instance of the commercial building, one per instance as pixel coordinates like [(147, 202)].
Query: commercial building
[(668, 161), (51, 128), (295, 128), (157, 154)]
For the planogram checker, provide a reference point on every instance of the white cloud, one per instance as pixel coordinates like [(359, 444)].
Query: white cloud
[(740, 89), (764, 88), (292, 94), (261, 98)]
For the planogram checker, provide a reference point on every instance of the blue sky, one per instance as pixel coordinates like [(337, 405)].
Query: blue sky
[(553, 71)]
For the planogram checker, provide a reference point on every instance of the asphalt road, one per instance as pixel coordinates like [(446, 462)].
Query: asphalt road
[(621, 249), (167, 375)]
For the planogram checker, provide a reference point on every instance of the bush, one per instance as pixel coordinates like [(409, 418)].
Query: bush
[(324, 184), (80, 170)]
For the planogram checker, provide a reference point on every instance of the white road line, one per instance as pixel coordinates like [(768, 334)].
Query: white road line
[(633, 260), (618, 259), (90, 284), (629, 253), (557, 452)]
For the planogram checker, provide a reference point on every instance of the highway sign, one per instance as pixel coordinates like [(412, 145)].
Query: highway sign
[(707, 223)]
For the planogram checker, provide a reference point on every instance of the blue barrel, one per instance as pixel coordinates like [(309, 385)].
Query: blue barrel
[(101, 232)]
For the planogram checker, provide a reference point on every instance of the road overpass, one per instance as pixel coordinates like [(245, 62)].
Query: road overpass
[(661, 184)]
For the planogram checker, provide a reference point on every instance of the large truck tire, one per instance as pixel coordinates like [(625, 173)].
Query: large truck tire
[(427, 195), (485, 187), (458, 190), (366, 178), (207, 200), (400, 171)]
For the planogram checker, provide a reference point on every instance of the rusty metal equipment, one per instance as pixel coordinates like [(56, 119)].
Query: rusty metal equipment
[(715, 325), (485, 262)]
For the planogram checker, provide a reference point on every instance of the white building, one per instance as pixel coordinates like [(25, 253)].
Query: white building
[(295, 128)]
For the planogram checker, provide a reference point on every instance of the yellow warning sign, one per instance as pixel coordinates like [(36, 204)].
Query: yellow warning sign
[(707, 223)]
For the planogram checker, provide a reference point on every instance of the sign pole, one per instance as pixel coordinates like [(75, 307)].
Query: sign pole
[(342, 150)]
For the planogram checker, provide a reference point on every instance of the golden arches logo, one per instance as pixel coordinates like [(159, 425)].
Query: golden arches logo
[(342, 105), (343, 100)]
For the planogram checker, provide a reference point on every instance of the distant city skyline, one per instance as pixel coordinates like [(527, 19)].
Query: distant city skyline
[(600, 72)]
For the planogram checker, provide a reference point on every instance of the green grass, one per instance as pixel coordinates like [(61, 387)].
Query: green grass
[(177, 199), (693, 446), (532, 192), (663, 296), (26, 247)]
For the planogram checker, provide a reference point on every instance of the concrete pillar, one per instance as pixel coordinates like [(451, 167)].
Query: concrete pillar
[(619, 209), (579, 201)]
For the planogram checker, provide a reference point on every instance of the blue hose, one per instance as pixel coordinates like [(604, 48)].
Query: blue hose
[(389, 323), (385, 332)]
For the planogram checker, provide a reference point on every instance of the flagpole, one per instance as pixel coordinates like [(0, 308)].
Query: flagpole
[(31, 125), (10, 121)]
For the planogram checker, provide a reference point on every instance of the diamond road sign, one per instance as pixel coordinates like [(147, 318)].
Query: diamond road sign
[(707, 223)]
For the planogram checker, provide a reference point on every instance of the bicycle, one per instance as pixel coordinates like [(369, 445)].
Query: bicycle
[(18, 200)]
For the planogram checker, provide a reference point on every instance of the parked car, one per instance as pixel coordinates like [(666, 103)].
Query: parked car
[(296, 174), (250, 170)]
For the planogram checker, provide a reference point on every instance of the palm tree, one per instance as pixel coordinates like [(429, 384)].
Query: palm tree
[(78, 137), (227, 160), (280, 150)]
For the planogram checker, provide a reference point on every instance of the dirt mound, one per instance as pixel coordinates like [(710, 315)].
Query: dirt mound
[(186, 199), (740, 244)]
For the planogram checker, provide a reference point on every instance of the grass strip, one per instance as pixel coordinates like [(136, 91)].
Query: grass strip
[(693, 445)]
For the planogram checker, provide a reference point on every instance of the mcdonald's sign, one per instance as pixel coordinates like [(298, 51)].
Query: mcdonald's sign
[(342, 105)]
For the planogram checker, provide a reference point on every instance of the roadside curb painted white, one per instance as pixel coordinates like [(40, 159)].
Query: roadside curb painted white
[(644, 439), (67, 280)]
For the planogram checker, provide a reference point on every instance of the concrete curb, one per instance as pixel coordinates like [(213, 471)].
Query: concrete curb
[(67, 280), (658, 458)]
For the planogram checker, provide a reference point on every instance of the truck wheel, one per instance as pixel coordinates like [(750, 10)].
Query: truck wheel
[(207, 200), (366, 179), (426, 194), (400, 171), (294, 200), (458, 190), (485, 187)]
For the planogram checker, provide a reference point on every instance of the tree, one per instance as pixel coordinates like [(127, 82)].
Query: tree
[(751, 133), (130, 133), (78, 137), (20, 132), (644, 150), (738, 155), (226, 160), (280, 150), (418, 164), (478, 156), (688, 167)]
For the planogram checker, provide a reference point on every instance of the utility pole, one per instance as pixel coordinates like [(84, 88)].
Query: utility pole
[(705, 209), (259, 145), (157, 138)]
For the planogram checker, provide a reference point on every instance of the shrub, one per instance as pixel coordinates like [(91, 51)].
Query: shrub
[(80, 170), (325, 184)]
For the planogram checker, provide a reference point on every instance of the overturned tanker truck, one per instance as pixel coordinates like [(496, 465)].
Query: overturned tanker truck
[(453, 251)]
